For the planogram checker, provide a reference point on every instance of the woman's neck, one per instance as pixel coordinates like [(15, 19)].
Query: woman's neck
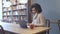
[(35, 15)]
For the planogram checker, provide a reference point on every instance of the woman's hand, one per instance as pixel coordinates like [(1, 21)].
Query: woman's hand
[(30, 25)]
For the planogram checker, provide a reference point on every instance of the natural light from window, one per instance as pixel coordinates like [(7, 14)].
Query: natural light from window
[(0, 9)]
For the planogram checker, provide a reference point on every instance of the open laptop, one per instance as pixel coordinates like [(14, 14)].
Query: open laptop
[(23, 24)]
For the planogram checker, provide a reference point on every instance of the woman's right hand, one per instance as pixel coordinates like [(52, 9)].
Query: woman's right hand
[(30, 25)]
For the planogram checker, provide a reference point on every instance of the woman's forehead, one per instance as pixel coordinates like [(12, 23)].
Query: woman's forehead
[(33, 8)]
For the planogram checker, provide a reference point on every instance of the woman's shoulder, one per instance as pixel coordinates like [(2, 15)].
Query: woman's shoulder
[(40, 14)]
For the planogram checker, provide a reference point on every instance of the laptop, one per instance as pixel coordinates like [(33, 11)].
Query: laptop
[(23, 24)]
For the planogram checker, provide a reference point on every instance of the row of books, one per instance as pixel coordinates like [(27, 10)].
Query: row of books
[(15, 7), (16, 13), (15, 18), (14, 2)]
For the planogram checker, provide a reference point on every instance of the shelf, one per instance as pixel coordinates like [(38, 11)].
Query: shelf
[(14, 10), (9, 15), (15, 15), (19, 15), (16, 20), (18, 4), (3, 7), (4, 11), (22, 9), (14, 5), (4, 15), (23, 15), (9, 11), (19, 9), (21, 4)]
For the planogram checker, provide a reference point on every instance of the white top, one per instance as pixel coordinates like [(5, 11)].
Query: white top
[(38, 19)]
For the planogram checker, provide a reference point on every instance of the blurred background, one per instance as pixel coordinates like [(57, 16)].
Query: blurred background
[(51, 10)]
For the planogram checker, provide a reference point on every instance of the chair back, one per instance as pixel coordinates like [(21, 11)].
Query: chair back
[(47, 22), (48, 25), (2, 30)]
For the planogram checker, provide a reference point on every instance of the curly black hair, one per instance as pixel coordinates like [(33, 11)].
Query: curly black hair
[(37, 7)]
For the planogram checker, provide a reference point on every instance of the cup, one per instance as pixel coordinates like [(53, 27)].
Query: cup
[(32, 26)]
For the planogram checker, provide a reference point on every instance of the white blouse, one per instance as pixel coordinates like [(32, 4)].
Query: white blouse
[(38, 19)]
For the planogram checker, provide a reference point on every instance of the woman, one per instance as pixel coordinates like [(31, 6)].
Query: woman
[(38, 18)]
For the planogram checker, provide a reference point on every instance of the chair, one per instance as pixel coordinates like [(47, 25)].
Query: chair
[(2, 30), (48, 25), (59, 24)]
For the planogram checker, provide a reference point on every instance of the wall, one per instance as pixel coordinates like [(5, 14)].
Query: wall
[(51, 8)]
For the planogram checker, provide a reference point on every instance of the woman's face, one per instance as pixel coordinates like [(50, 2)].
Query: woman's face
[(34, 10)]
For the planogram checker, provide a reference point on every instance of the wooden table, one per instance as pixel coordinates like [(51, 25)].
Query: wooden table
[(17, 29)]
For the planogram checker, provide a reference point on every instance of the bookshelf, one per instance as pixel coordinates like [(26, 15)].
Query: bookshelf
[(15, 10)]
